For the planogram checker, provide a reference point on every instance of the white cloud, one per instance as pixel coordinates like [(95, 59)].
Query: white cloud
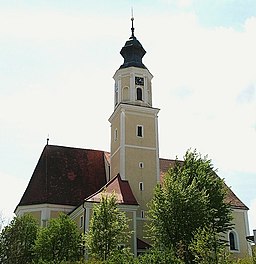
[(215, 66), (77, 55), (11, 190)]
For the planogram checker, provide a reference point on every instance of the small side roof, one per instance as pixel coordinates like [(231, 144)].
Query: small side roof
[(120, 187)]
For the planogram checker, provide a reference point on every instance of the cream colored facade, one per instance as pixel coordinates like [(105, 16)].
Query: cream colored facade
[(240, 231), (43, 212), (134, 137)]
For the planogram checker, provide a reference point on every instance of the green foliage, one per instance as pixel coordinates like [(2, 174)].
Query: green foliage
[(108, 229), (17, 240), (60, 241), (247, 260), (190, 198), (122, 256), (207, 248), (159, 256)]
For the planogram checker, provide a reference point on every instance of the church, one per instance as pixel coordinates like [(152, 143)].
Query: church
[(71, 180)]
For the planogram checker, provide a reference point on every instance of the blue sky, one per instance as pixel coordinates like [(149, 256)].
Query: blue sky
[(57, 59)]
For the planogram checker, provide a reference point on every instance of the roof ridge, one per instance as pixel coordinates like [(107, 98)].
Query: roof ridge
[(69, 147)]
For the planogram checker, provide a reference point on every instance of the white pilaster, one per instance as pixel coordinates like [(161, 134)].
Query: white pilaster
[(122, 145)]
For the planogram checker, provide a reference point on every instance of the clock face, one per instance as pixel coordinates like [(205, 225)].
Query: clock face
[(139, 80)]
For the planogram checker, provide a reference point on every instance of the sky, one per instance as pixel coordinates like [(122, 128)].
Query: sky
[(57, 59)]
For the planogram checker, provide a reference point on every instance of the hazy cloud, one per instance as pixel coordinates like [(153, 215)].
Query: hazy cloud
[(248, 94)]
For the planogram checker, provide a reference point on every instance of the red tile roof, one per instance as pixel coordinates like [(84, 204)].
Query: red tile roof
[(120, 187), (65, 176)]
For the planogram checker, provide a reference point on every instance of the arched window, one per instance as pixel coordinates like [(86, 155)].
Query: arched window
[(139, 94), (116, 93), (126, 94), (233, 241), (116, 97)]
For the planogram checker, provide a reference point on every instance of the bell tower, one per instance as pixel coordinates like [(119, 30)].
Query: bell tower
[(134, 127)]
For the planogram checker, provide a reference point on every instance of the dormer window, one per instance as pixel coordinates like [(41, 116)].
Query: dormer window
[(139, 94)]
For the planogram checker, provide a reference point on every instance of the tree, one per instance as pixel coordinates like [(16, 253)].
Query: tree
[(158, 256), (17, 240), (59, 241), (206, 249), (108, 228), (191, 197), (2, 220)]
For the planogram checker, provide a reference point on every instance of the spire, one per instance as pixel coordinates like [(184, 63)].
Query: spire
[(132, 51), (132, 29)]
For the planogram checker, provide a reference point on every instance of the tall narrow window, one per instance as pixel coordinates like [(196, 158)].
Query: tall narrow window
[(139, 131), (126, 94), (115, 135), (81, 221), (142, 214), (141, 186), (139, 94), (116, 94), (233, 243)]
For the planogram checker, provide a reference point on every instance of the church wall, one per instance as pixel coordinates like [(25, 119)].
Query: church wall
[(115, 125), (149, 132), (149, 88), (115, 146), (240, 228), (115, 164), (146, 175), (125, 81), (55, 214)]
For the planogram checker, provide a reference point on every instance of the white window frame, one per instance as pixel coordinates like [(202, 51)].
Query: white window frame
[(142, 131), (141, 186), (141, 165), (236, 241)]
